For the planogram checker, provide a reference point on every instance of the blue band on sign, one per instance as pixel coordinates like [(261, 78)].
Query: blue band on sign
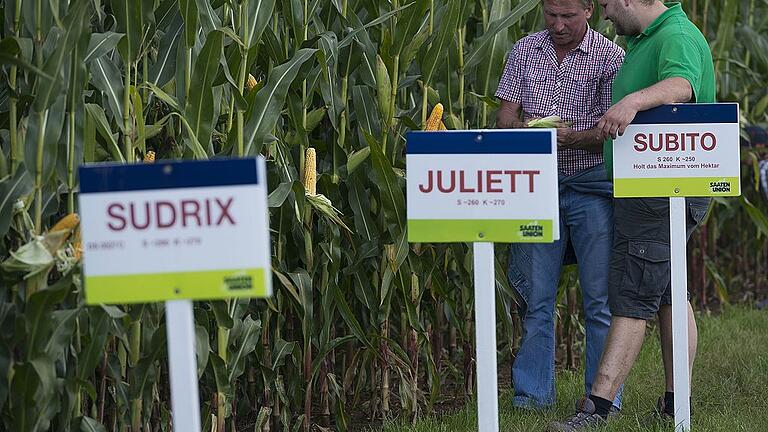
[(689, 113), (167, 175), (480, 142)]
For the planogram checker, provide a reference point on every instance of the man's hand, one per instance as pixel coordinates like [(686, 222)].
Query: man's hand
[(567, 138), (668, 91), (590, 140), (615, 120), (508, 115)]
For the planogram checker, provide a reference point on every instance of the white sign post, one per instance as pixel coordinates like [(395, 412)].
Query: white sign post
[(176, 232), (483, 187), (485, 336), (182, 365), (678, 151)]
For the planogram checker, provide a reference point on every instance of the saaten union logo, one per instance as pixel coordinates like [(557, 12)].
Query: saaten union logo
[(532, 230), (720, 186)]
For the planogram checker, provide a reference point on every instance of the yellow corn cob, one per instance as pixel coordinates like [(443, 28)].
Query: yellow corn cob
[(433, 122), (68, 222), (77, 244), (149, 157), (251, 82), (310, 172), (391, 253), (442, 127), (547, 122)]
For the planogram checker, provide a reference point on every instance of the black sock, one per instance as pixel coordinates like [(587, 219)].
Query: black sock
[(669, 403), (602, 406)]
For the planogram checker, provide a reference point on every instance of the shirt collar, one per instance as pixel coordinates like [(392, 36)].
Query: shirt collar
[(673, 9), (584, 46)]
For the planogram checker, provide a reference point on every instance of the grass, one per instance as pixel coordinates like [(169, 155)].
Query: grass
[(730, 383)]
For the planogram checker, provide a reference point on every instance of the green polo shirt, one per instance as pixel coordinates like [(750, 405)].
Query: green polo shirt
[(672, 46)]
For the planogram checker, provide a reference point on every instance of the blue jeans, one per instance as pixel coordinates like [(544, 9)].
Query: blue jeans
[(586, 218)]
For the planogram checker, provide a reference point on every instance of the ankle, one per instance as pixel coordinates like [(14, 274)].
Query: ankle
[(669, 403), (602, 406)]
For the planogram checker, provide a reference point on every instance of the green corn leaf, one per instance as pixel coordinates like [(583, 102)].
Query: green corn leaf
[(97, 116), (199, 110), (11, 189), (259, 17), (128, 16), (189, 13), (360, 204), (49, 89), (246, 343), (46, 125), (441, 39), (489, 70), (165, 97), (392, 197), (162, 70), (88, 424), (383, 88), (479, 46), (107, 78), (100, 44), (64, 322), (408, 24), (270, 99), (209, 20), (94, 349), (219, 373)]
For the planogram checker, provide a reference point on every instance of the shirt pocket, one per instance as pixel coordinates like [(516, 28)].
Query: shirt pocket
[(538, 88), (583, 94)]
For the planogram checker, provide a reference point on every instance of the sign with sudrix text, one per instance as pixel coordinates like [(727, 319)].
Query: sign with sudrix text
[(175, 230), (679, 150), (482, 186)]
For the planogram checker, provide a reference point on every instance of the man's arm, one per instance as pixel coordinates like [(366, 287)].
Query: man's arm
[(508, 115), (590, 140), (668, 91)]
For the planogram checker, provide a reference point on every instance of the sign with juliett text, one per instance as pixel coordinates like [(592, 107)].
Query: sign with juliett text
[(679, 150), (175, 230), (482, 186)]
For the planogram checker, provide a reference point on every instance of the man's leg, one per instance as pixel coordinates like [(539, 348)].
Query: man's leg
[(621, 349), (534, 271), (638, 278), (666, 405), (696, 211), (591, 224), (665, 334)]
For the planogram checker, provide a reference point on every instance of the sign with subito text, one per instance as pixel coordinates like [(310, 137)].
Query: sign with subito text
[(175, 230), (679, 150), (482, 186)]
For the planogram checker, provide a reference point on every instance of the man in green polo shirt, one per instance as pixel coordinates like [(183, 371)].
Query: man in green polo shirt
[(667, 61)]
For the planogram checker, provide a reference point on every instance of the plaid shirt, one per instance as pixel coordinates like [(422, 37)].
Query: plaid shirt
[(578, 90)]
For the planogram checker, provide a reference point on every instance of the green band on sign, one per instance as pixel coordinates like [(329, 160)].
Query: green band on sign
[(676, 187), (479, 230), (148, 288)]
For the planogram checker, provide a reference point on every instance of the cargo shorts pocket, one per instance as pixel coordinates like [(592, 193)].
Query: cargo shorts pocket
[(697, 208), (647, 273)]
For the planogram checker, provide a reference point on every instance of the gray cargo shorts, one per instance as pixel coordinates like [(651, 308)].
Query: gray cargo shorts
[(639, 278)]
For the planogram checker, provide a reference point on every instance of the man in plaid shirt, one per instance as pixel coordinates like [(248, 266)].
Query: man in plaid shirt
[(566, 70)]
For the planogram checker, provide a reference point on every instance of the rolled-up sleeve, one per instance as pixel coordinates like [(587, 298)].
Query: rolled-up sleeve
[(681, 58), (510, 84)]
